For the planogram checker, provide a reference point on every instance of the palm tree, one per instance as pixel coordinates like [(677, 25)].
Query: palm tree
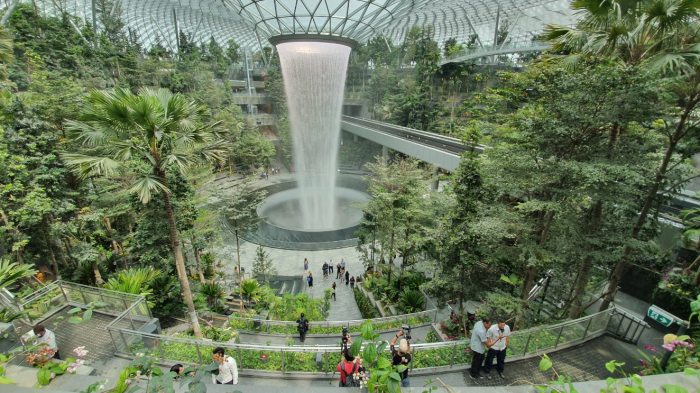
[(6, 55), (660, 35), (163, 132)]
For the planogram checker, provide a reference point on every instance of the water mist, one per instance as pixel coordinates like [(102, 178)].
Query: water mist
[(314, 80)]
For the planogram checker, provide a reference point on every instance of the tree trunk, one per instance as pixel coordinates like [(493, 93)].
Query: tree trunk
[(108, 225), (180, 263), (240, 281), (53, 257), (648, 202), (199, 264), (66, 245), (98, 276), (586, 265)]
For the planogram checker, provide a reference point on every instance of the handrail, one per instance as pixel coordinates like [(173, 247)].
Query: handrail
[(321, 348), (339, 323)]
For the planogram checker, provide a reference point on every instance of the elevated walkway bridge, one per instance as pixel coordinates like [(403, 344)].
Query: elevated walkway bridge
[(440, 150), (497, 50)]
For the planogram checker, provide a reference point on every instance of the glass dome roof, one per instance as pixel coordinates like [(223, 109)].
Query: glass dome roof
[(251, 22)]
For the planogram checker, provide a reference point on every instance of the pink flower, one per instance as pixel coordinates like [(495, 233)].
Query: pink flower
[(70, 370), (128, 382), (80, 352), (644, 363), (651, 348), (669, 347), (52, 376)]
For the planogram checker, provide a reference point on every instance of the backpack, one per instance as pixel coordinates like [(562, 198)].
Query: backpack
[(301, 327), (350, 381), (308, 279)]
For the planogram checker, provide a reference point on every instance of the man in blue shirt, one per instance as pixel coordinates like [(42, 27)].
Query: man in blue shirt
[(479, 342)]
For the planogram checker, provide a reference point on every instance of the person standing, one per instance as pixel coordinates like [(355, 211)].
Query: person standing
[(330, 267), (352, 283), (342, 275), (478, 343), (228, 372), (325, 271), (498, 335), (347, 278), (306, 265), (337, 275), (302, 327), (347, 366), (401, 357), (310, 280), (342, 263), (45, 337), (333, 287)]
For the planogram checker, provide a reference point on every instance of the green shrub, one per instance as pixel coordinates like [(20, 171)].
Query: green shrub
[(366, 309)]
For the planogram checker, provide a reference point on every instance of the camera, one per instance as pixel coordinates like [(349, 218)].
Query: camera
[(345, 334), (406, 329)]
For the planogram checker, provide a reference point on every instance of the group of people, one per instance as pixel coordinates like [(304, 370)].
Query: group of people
[(274, 171), (228, 370), (493, 338), (401, 356), (327, 269)]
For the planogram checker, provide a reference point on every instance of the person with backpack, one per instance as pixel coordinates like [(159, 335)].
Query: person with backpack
[(333, 287), (302, 327), (347, 368), (310, 280), (325, 271)]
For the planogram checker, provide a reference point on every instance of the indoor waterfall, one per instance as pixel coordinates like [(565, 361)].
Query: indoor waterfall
[(314, 80)]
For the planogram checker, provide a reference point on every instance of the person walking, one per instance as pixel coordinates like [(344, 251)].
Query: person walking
[(352, 283), (325, 271), (498, 335), (310, 280), (337, 275), (302, 327), (330, 267), (401, 357), (342, 263), (228, 372), (342, 275), (347, 278), (306, 266), (479, 342), (333, 287)]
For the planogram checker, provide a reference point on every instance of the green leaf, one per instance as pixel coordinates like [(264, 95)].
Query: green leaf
[(690, 371), (75, 310), (610, 365), (393, 386), (44, 377), (610, 381), (674, 389), (213, 366), (381, 347), (383, 363), (356, 347), (395, 376), (87, 316), (369, 353), (637, 379), (157, 371), (75, 320), (367, 331), (401, 368), (545, 364), (135, 388), (70, 360), (4, 380), (683, 338)]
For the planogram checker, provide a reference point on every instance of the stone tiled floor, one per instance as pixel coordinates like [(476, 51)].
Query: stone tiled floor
[(92, 335), (585, 362)]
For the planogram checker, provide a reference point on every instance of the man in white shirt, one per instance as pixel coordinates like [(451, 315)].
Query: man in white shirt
[(498, 335), (228, 372), (45, 337)]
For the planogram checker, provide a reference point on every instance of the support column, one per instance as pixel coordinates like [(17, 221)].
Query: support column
[(354, 138), (385, 155), (436, 183)]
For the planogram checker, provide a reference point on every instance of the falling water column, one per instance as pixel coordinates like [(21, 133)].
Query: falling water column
[(314, 81)]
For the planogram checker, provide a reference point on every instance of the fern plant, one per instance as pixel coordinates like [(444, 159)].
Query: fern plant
[(411, 301)]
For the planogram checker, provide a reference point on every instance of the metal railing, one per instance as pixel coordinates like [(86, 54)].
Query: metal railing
[(59, 294), (427, 358), (332, 327)]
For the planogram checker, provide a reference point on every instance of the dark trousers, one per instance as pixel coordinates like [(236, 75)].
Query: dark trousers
[(337, 275), (302, 334), (57, 355), (227, 383), (333, 295), (500, 360), (477, 361), (330, 269)]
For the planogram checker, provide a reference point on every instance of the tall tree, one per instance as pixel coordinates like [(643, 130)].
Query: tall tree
[(161, 130)]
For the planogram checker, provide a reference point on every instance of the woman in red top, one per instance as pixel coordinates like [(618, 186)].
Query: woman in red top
[(347, 366)]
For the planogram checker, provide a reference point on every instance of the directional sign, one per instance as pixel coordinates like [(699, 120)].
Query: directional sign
[(660, 316)]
